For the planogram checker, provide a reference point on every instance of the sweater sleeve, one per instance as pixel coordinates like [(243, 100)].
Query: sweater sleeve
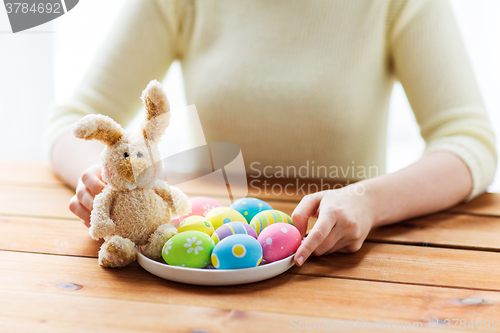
[(140, 47), (431, 62)]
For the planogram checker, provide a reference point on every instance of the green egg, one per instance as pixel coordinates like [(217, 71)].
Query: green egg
[(188, 249)]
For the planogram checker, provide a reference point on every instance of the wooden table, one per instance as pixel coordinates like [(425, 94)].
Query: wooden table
[(443, 266)]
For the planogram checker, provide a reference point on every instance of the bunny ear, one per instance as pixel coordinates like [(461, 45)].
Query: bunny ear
[(157, 111), (98, 127)]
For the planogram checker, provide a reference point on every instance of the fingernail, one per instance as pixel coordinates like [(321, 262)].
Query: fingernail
[(300, 260)]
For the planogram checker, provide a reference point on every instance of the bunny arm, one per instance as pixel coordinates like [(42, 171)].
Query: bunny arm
[(101, 224), (174, 197)]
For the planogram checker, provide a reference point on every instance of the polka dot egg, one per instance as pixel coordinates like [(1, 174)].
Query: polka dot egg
[(233, 228), (249, 207), (279, 240), (188, 249), (221, 215), (237, 251), (268, 217), (196, 223), (200, 206)]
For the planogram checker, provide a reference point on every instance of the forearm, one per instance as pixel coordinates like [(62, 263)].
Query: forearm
[(437, 181), (71, 156)]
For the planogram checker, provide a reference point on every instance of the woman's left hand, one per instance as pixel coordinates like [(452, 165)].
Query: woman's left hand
[(344, 221)]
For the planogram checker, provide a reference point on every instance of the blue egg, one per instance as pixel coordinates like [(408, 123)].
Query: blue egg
[(237, 251), (249, 207)]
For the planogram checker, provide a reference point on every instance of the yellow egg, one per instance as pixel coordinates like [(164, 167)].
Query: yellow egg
[(198, 223), (221, 215)]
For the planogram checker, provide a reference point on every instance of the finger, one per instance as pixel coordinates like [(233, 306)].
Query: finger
[(79, 210), (85, 197), (333, 242), (317, 236), (93, 181), (97, 169), (337, 247), (351, 247), (306, 208)]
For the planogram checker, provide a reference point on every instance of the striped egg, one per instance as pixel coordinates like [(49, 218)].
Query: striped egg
[(268, 217), (249, 207), (233, 228)]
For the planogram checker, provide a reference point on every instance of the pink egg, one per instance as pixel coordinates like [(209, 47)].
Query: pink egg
[(200, 206), (278, 241), (175, 222)]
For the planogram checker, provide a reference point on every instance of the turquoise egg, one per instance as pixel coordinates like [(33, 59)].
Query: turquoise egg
[(249, 207), (237, 251)]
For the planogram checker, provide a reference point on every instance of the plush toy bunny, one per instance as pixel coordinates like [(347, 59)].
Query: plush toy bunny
[(135, 206)]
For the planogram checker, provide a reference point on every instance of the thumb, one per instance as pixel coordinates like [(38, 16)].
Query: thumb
[(306, 208)]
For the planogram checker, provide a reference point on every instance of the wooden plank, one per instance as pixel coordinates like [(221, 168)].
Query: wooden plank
[(36, 173), (448, 230), (410, 264), (53, 202), (282, 189), (401, 263), (45, 235), (440, 229), (286, 294), (39, 312), (486, 204), (35, 201), (55, 236)]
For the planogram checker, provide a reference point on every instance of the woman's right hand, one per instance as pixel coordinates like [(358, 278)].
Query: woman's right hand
[(89, 185)]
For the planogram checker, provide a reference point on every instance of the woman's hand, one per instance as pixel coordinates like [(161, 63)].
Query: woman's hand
[(344, 221), (89, 185)]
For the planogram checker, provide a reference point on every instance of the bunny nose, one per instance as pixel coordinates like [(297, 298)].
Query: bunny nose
[(131, 168), (125, 169), (138, 165)]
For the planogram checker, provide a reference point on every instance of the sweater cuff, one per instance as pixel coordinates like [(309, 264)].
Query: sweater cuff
[(57, 128), (478, 158)]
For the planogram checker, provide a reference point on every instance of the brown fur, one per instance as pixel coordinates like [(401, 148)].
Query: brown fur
[(99, 127), (152, 110), (165, 195), (157, 111), (136, 206), (110, 137), (125, 169)]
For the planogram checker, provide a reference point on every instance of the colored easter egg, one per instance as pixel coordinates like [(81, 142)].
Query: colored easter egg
[(278, 241), (190, 248), (196, 223), (221, 215), (237, 251), (232, 228), (268, 217), (249, 207), (200, 206)]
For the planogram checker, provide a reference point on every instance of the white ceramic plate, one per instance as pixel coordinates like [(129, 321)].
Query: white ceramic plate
[(215, 277)]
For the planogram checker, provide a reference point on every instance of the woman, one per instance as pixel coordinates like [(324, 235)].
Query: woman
[(297, 81)]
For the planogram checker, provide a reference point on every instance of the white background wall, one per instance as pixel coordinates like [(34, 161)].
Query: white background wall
[(44, 65)]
